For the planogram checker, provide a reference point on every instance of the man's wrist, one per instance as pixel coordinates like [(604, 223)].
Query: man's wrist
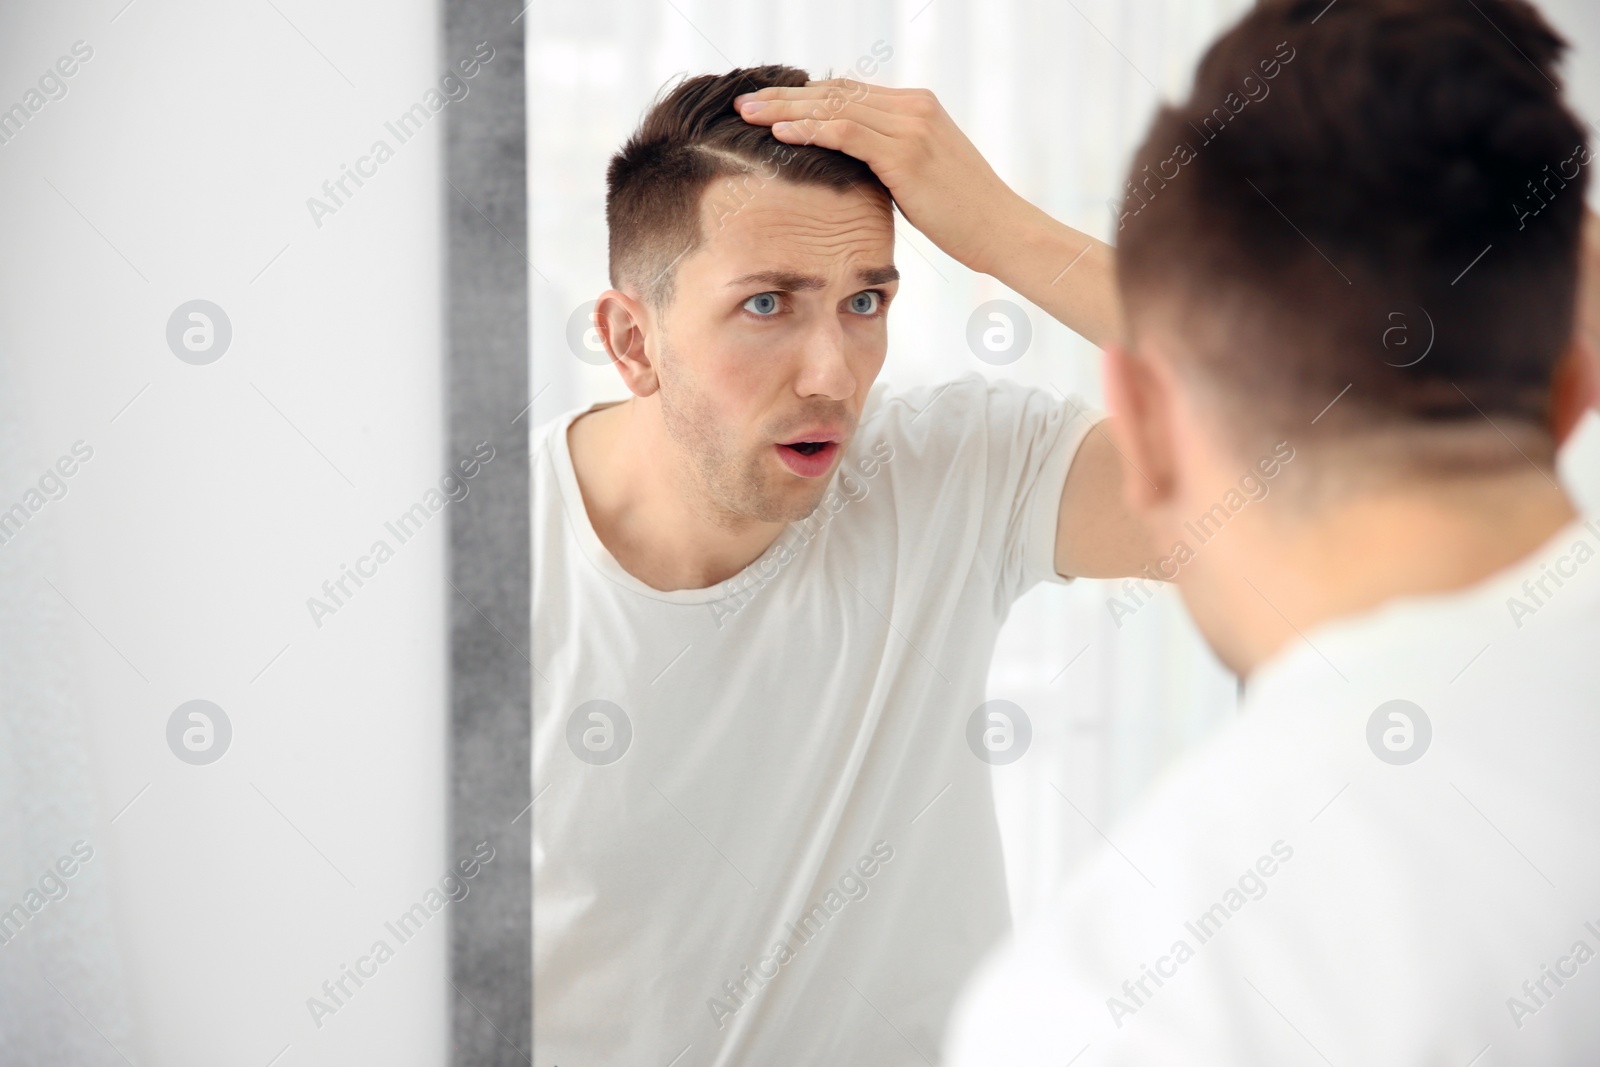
[(1068, 274), (1013, 231)]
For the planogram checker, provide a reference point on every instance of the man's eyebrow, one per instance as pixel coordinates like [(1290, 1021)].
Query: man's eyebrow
[(789, 281)]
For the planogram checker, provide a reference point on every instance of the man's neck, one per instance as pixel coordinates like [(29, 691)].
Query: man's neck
[(1348, 558), (646, 508)]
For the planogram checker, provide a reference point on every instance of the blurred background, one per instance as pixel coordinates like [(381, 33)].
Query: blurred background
[(227, 469)]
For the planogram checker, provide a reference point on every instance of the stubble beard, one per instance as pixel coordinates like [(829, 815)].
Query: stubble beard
[(735, 486)]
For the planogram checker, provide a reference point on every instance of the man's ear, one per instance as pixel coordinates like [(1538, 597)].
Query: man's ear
[(624, 324), (1574, 388), (1140, 401)]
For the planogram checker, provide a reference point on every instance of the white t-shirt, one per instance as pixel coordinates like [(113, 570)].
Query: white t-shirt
[(1297, 894), (795, 858)]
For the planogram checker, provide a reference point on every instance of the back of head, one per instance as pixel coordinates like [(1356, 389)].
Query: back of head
[(1350, 187), (689, 139)]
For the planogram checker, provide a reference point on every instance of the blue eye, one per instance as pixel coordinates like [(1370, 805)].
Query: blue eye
[(763, 304), (866, 302)]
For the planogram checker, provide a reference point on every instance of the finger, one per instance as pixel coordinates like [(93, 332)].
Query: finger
[(837, 88), (783, 92), (842, 135), (768, 112)]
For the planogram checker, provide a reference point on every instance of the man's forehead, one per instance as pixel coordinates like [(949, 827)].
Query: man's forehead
[(784, 228)]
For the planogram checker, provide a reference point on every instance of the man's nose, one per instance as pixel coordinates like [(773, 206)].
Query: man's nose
[(826, 370)]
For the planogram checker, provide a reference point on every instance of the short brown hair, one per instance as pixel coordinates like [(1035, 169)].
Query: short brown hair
[(688, 139), (1409, 157)]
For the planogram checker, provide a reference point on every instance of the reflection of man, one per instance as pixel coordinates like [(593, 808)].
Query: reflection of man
[(1390, 857), (766, 597)]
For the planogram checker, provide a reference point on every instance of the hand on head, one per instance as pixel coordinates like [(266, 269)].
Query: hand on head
[(941, 182)]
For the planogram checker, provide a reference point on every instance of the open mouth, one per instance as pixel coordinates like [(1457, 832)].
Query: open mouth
[(808, 459)]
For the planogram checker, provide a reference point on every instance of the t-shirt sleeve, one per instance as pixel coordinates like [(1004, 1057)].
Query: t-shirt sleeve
[(1033, 435), (985, 463)]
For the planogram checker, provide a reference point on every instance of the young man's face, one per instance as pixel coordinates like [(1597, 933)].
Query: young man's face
[(774, 333)]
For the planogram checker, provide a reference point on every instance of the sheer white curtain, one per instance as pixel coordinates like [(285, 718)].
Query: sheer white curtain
[(1056, 95)]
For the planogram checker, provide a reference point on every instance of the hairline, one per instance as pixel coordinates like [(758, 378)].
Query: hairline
[(659, 291)]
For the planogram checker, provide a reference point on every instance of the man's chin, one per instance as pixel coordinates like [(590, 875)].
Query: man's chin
[(792, 499), (789, 503), (783, 495)]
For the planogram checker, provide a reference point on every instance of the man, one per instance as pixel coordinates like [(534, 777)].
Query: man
[(1390, 858), (766, 597)]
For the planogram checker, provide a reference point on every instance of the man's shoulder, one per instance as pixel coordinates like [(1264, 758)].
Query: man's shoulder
[(943, 402), (548, 450), (541, 438), (949, 422), (1371, 756), (550, 468)]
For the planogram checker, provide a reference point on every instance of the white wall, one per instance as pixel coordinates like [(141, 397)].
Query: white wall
[(218, 499)]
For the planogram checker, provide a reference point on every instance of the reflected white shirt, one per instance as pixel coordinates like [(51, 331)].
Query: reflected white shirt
[(795, 858)]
